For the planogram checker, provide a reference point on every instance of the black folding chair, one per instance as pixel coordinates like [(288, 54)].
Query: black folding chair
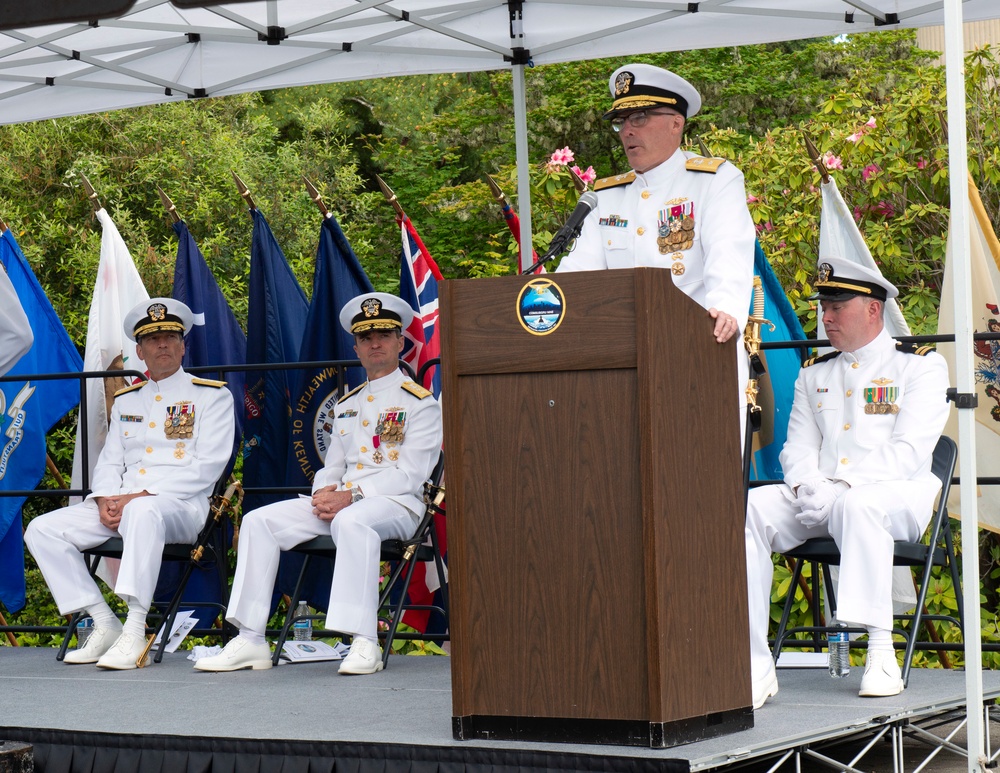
[(939, 551), (210, 546), (422, 546)]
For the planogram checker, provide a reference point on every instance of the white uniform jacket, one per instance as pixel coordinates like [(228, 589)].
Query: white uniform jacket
[(390, 438), (868, 416), (147, 451), (713, 267)]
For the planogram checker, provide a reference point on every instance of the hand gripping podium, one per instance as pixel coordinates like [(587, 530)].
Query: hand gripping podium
[(595, 512)]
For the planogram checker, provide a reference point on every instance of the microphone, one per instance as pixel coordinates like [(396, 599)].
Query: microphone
[(569, 231)]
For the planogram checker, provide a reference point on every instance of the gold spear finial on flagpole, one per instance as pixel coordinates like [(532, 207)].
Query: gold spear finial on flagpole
[(390, 196), (168, 205), (497, 192), (816, 158), (703, 148), (314, 195), (91, 193), (244, 192), (578, 182)]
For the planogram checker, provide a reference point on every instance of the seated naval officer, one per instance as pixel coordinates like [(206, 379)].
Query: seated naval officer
[(675, 210), (369, 489), (857, 467), (169, 440)]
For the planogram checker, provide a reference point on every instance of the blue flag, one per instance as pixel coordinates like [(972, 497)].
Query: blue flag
[(782, 366), (276, 320), (29, 410), (215, 339), (338, 278)]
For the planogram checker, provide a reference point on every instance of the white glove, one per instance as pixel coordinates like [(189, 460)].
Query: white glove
[(815, 501)]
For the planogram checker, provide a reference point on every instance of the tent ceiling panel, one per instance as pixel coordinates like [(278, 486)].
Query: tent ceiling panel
[(157, 52)]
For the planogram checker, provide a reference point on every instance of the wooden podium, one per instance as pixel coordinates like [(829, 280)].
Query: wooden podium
[(595, 512)]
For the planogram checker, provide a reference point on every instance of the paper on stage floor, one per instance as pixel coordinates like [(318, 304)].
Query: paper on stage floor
[(182, 626), (308, 651)]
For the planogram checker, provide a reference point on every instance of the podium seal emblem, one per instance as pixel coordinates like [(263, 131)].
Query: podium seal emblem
[(540, 306)]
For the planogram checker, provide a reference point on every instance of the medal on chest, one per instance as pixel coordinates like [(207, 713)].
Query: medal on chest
[(389, 433), (880, 400), (180, 421), (675, 226)]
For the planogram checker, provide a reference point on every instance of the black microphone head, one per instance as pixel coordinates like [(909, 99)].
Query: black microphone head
[(588, 199)]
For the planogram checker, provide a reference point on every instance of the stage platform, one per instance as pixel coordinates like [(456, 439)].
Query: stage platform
[(305, 717)]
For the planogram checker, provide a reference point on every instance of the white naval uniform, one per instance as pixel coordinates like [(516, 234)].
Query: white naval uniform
[(139, 456), (16, 337), (885, 458), (391, 477), (716, 271)]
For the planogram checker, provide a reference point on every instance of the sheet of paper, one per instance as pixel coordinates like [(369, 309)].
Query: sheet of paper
[(182, 626)]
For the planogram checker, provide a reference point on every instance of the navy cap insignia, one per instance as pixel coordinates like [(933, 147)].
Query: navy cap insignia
[(623, 83), (157, 312), (371, 307)]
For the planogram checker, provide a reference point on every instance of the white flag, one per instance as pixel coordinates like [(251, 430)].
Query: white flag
[(839, 237), (984, 260), (117, 290)]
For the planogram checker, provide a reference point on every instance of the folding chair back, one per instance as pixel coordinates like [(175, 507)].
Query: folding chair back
[(823, 552)]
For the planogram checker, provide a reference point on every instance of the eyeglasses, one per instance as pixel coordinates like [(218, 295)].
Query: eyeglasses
[(637, 119)]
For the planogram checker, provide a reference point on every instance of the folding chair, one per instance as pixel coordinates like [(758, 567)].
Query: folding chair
[(422, 546), (209, 546), (940, 551)]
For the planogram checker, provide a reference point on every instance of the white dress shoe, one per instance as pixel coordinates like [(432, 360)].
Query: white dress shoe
[(123, 653), (765, 687), (365, 657), (100, 641), (882, 675), (238, 654)]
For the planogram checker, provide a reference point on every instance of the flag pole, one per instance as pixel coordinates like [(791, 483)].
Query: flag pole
[(91, 194), (168, 205), (244, 192), (314, 195), (390, 197), (816, 158)]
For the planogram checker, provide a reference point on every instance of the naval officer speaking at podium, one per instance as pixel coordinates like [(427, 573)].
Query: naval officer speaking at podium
[(674, 210)]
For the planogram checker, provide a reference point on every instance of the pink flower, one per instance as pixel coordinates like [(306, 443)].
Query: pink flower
[(561, 157), (857, 214), (869, 171), (885, 209), (830, 161), (587, 176), (922, 163), (751, 199), (871, 122), (786, 191), (855, 138), (768, 226)]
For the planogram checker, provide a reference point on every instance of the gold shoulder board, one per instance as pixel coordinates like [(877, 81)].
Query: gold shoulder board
[(415, 389), (208, 382), (810, 361), (130, 388), (356, 389), (614, 181), (702, 164), (922, 350), (824, 358)]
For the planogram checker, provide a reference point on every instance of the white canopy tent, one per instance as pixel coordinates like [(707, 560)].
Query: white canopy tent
[(159, 53)]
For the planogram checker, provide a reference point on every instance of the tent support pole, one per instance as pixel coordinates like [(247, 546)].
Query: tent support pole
[(960, 215), (523, 165)]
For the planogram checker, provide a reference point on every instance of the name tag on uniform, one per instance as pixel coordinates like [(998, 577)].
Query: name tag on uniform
[(131, 418)]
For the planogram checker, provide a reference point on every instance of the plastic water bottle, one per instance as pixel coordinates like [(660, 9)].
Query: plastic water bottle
[(838, 645), (303, 624), (84, 626)]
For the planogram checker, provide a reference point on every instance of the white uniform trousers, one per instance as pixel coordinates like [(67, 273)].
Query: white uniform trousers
[(864, 522), (357, 531), (56, 540)]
